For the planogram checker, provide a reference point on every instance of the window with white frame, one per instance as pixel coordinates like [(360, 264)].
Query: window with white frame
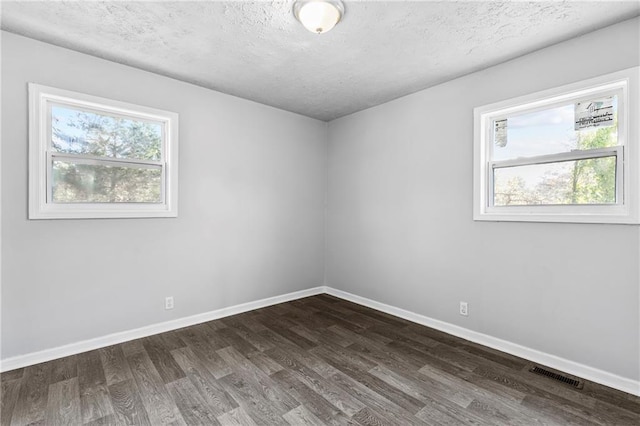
[(92, 157), (568, 154)]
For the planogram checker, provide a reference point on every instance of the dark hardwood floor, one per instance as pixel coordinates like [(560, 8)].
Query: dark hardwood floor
[(318, 360)]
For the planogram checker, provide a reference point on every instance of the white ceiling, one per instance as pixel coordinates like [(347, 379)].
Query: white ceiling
[(258, 51)]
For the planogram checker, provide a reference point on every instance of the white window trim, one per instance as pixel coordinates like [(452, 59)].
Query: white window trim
[(40, 100), (628, 154)]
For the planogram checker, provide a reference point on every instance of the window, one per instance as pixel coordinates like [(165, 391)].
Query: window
[(568, 154), (92, 157)]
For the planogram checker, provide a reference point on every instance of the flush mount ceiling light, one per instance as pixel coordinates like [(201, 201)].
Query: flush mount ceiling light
[(318, 16)]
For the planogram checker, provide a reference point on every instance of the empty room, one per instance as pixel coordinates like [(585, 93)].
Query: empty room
[(320, 212)]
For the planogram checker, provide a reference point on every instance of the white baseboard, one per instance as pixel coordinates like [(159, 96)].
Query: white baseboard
[(562, 364), (584, 371), (125, 336)]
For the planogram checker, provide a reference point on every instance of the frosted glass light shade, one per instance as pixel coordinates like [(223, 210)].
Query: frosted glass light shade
[(318, 16)]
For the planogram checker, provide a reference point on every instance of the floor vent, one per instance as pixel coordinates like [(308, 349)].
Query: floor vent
[(578, 384)]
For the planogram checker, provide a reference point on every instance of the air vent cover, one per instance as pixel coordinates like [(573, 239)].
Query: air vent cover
[(578, 384)]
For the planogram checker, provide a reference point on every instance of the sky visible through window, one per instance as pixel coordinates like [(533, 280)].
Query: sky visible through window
[(71, 137), (549, 131)]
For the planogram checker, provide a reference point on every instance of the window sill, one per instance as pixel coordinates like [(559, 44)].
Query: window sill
[(122, 211), (525, 215)]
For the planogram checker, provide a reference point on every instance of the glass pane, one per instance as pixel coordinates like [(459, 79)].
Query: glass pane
[(76, 131), (552, 130), (591, 181), (75, 182)]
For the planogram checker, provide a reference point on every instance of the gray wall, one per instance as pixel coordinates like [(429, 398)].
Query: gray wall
[(251, 222), (400, 228), (251, 213)]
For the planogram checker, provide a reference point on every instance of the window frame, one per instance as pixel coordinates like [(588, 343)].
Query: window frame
[(624, 84), (41, 156)]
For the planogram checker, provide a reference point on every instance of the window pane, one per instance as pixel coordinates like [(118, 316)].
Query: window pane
[(76, 131), (551, 131), (77, 182), (590, 181)]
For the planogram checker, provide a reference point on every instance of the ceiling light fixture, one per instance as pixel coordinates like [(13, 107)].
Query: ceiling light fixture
[(318, 16)]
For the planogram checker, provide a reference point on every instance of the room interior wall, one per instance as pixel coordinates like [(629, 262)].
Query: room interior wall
[(250, 224), (253, 182), (400, 229)]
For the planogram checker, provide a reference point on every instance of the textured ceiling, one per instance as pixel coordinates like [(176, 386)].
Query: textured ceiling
[(258, 51)]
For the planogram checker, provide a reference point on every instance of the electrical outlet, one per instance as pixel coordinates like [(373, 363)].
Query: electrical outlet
[(168, 302), (464, 309)]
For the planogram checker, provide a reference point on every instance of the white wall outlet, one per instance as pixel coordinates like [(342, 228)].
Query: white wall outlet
[(168, 302), (464, 309)]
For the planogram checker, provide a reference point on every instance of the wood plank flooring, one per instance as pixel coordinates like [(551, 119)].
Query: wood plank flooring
[(314, 361)]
